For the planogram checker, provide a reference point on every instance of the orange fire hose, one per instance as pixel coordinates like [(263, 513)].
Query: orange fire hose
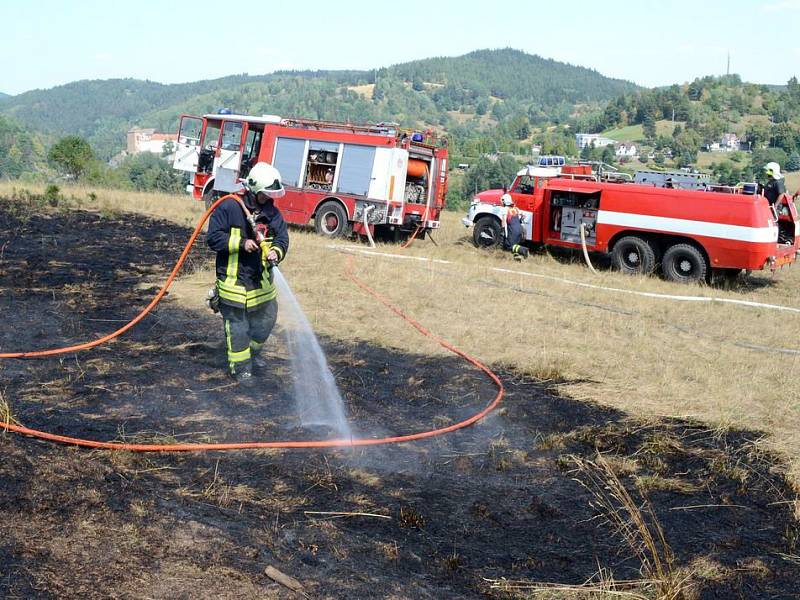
[(141, 315), (190, 447), (417, 230)]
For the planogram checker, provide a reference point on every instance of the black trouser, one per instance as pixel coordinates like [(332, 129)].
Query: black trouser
[(246, 332), (513, 234)]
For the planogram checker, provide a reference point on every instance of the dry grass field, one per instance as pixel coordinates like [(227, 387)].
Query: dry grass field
[(730, 366), (586, 482)]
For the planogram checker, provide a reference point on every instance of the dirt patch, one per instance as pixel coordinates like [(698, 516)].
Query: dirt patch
[(502, 499)]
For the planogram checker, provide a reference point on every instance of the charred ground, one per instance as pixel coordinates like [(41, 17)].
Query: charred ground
[(501, 499)]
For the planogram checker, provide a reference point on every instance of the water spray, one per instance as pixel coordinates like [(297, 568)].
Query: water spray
[(317, 397)]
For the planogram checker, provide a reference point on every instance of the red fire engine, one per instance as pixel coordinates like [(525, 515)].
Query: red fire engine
[(687, 232), (336, 173)]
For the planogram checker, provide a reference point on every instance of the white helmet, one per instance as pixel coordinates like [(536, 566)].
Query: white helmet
[(773, 169), (263, 177), (506, 200)]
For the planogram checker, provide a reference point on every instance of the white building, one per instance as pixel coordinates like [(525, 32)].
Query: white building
[(592, 139), (626, 149), (147, 140), (730, 142)]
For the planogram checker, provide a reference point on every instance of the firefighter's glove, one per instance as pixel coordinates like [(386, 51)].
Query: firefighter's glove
[(212, 300)]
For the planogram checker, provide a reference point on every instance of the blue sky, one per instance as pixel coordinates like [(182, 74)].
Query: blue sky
[(48, 42)]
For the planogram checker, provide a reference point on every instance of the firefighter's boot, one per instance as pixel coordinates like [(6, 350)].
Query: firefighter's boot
[(260, 365), (244, 376)]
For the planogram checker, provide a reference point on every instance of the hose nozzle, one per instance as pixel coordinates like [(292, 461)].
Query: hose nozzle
[(252, 222)]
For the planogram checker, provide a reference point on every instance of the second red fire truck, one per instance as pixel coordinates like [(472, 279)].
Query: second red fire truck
[(338, 174), (688, 233)]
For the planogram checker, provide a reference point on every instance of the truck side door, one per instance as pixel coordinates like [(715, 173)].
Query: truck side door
[(187, 150), (523, 194), (229, 156)]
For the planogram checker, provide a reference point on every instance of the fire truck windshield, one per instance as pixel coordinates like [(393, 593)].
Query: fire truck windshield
[(524, 185)]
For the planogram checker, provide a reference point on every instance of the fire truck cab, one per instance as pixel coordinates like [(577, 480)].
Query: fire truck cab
[(687, 233), (345, 177)]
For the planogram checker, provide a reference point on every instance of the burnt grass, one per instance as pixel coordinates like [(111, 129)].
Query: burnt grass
[(502, 499)]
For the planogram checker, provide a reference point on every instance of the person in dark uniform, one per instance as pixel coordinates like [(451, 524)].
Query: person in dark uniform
[(513, 223), (247, 296), (775, 186)]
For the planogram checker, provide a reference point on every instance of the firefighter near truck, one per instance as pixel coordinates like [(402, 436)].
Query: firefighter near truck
[(688, 234), (346, 178)]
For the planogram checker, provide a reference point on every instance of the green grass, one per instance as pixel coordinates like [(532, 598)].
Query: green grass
[(635, 133), (631, 133), (793, 182), (706, 159)]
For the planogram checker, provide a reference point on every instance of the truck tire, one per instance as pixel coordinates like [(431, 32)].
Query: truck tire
[(634, 255), (684, 263), (487, 232), (209, 197), (331, 220)]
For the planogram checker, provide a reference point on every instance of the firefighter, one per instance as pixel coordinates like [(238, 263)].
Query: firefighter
[(513, 223), (775, 185), (247, 296)]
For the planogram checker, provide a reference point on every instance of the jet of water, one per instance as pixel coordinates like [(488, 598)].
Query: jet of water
[(318, 400)]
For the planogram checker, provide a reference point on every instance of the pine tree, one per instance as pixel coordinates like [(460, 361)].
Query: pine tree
[(649, 127), (793, 163)]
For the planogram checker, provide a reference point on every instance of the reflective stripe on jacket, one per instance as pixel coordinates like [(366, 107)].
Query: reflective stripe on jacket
[(243, 278)]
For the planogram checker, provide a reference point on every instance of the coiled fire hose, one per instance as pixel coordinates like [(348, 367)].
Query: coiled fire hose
[(197, 447)]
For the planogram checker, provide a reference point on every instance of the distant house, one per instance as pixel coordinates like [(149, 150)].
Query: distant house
[(628, 149), (148, 140), (730, 142), (592, 139)]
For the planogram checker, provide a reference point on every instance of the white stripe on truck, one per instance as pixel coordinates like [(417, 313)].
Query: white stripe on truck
[(760, 235)]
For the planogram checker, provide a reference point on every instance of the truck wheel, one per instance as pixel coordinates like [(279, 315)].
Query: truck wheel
[(487, 232), (683, 263), (634, 256), (331, 220), (209, 197)]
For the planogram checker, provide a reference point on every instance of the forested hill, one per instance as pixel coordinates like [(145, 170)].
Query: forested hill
[(512, 74), (87, 107), (486, 86), (2, 95)]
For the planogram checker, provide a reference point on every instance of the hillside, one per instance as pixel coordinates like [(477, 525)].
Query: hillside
[(509, 74), (101, 110), (675, 124), (20, 150), (2, 95), (497, 83)]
